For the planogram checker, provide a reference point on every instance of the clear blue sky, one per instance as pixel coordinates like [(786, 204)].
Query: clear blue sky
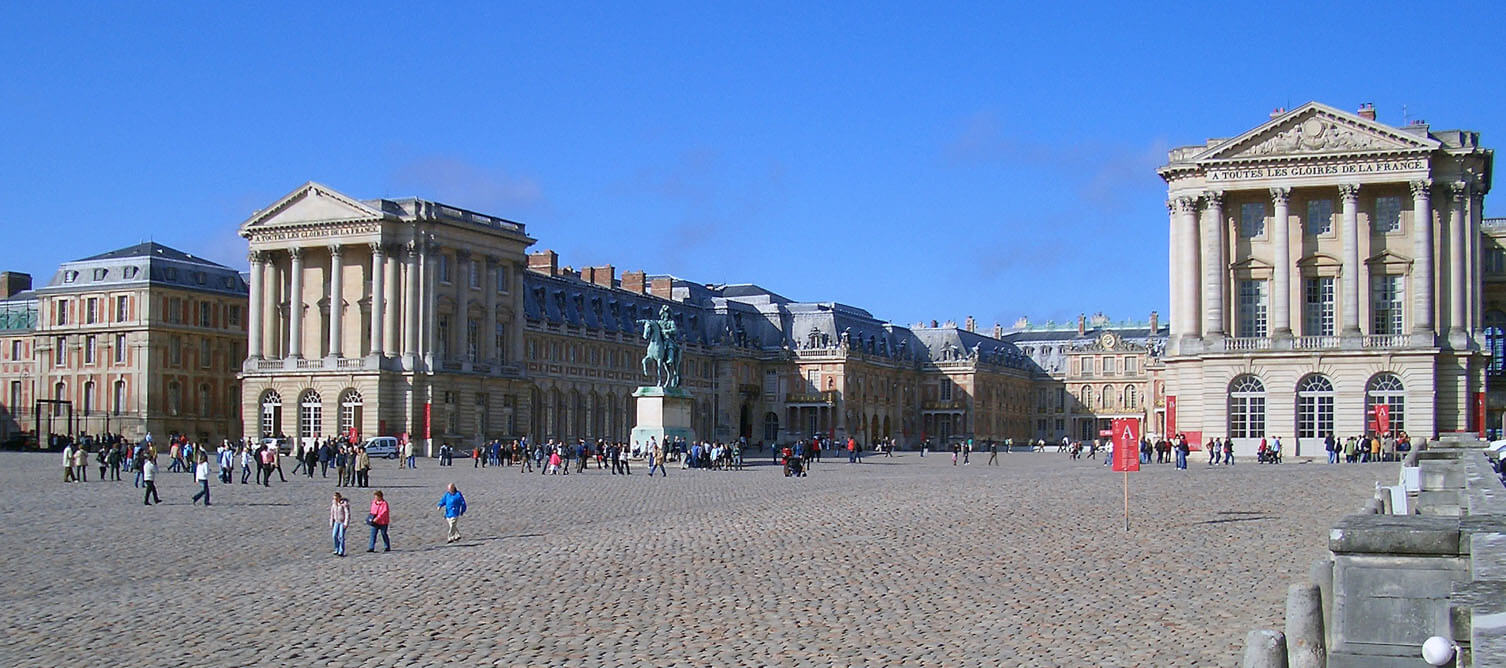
[(920, 160)]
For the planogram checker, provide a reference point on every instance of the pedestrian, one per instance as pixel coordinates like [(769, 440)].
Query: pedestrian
[(149, 476), (339, 519), (453, 505), (81, 464), (379, 517), (993, 453), (363, 468), (201, 474)]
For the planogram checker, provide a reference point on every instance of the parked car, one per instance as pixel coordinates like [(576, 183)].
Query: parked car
[(284, 445), (381, 446)]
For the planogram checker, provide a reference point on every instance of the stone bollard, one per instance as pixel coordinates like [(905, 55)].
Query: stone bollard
[(1321, 575), (1265, 649), (1304, 627)]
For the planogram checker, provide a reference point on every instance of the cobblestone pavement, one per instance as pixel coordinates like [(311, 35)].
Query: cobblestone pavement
[(903, 561)]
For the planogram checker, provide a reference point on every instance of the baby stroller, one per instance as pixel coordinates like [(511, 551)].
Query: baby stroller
[(793, 466)]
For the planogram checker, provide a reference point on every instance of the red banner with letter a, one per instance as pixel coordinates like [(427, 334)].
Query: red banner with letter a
[(1171, 417), (1382, 418), (1480, 413), (1126, 444)]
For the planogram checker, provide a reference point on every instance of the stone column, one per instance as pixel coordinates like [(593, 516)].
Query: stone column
[(254, 308), (336, 298), (295, 303), (378, 299), (271, 286), (430, 302), (392, 332), (1350, 278), (1187, 255), (1213, 274), (1174, 309), (1459, 278), (1476, 317), (1281, 287), (1422, 267), (489, 288), (410, 304)]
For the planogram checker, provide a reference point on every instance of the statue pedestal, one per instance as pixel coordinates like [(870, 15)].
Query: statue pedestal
[(663, 414)]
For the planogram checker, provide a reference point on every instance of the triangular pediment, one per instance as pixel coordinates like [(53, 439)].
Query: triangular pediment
[(1251, 263), (311, 203), (1319, 261), (1316, 129), (1391, 261)]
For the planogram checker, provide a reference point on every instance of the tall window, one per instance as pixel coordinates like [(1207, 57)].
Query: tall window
[(91, 310), (88, 398), (1252, 319), (472, 338), (1252, 219), (310, 416), (351, 405), (206, 407), (1319, 217), (174, 398), (15, 350), (15, 397), (501, 343), (1131, 366), (1317, 306), (946, 389), (60, 351), (451, 416), (1246, 407), (175, 350), (1387, 214), (474, 268), (122, 313), (1314, 407), (444, 267), (271, 414), (59, 390), (120, 349), (443, 343), (1495, 340), (1386, 389), (1087, 366), (204, 355), (60, 310), (89, 349), (1386, 304), (204, 314), (117, 398), (502, 278), (481, 401), (1108, 366)]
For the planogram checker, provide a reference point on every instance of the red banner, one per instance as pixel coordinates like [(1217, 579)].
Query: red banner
[(1382, 418), (1480, 413), (1171, 416), (1126, 444), (428, 413)]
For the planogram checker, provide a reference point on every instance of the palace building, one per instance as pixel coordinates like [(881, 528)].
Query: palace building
[(415, 317), (144, 339), (1323, 263)]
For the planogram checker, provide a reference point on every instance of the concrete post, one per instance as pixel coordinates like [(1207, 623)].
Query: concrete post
[(1321, 575), (1304, 627), (1265, 649)]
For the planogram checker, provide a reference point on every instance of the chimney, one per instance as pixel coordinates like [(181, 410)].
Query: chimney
[(1082, 324), (1367, 111), (13, 282), (1155, 322), (972, 325), (632, 281), (661, 287), (1277, 112), (602, 276), (998, 331), (545, 262)]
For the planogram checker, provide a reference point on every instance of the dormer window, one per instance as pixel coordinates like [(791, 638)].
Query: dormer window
[(100, 274), (70, 276), (130, 272)]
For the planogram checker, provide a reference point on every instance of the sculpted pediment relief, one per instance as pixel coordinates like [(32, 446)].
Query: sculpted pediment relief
[(1316, 129), (311, 203)]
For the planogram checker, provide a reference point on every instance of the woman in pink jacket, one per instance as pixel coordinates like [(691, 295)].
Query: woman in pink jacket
[(378, 519)]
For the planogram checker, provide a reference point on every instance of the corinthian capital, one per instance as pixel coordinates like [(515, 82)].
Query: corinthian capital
[(1280, 195), (1349, 191), (1213, 198), (1421, 188), (256, 257), (296, 252), (1186, 204), (1459, 190)]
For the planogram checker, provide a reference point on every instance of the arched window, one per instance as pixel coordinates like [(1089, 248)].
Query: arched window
[(59, 391), (1131, 397), (271, 413), (1495, 341), (88, 398), (350, 412), (310, 415), (1386, 388), (117, 400), (1246, 407), (1087, 398), (1314, 407), (1105, 397)]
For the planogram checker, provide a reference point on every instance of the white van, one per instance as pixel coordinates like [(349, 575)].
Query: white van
[(381, 446)]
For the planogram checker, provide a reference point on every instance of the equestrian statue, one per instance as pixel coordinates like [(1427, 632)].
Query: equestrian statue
[(663, 349)]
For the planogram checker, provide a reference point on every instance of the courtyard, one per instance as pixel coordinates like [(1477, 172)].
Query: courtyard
[(906, 561)]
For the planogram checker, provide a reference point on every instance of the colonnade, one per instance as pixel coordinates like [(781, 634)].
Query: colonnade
[(397, 303), (1200, 280)]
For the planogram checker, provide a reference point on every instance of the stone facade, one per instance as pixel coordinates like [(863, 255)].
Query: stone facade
[(1090, 374), (447, 331), (142, 339), (1323, 263)]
